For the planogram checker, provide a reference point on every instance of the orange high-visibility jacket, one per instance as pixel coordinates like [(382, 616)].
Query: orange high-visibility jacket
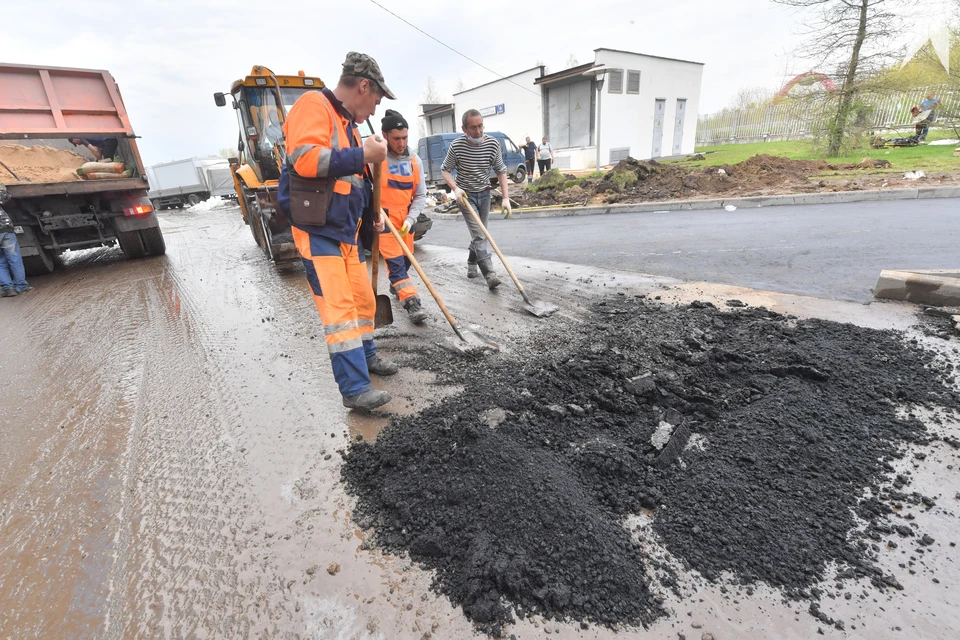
[(323, 143)]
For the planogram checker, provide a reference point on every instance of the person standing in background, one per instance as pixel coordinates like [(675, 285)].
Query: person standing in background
[(545, 159)]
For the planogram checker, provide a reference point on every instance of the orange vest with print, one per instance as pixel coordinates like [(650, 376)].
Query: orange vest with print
[(398, 183)]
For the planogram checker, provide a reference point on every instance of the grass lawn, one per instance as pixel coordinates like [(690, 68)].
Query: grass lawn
[(928, 158)]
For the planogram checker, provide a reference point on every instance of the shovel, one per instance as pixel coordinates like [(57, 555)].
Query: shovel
[(538, 308), (384, 313), (470, 341)]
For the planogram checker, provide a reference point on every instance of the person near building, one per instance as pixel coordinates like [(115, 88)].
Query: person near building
[(403, 195), (530, 156), (473, 155), (545, 159), (13, 278), (325, 192), (101, 148)]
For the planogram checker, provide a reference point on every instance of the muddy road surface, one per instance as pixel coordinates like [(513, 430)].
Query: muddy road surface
[(171, 456)]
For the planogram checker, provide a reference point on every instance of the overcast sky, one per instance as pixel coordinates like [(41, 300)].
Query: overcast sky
[(170, 57)]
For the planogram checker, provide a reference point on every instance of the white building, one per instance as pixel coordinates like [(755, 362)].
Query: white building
[(647, 108)]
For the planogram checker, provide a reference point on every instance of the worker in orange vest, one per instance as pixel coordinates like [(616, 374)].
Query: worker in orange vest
[(403, 195), (325, 191)]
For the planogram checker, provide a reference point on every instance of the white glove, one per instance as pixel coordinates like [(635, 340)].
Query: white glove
[(507, 209), (459, 194), (408, 225)]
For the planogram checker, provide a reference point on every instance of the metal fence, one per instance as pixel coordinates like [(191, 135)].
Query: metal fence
[(810, 117)]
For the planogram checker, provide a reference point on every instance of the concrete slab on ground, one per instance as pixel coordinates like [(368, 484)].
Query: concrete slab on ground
[(937, 287)]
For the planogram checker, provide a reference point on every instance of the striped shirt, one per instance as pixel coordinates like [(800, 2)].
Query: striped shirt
[(473, 162)]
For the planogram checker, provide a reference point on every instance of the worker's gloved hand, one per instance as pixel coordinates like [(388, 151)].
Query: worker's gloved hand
[(459, 194), (507, 209), (408, 225)]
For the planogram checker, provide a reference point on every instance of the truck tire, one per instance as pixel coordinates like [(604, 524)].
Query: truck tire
[(520, 175), (193, 199), (131, 244), (156, 204), (152, 240), (39, 265)]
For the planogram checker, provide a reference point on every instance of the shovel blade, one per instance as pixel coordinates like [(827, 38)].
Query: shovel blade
[(540, 308), (384, 313)]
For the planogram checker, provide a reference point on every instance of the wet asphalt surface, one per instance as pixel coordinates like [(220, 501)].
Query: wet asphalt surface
[(832, 251), (170, 463)]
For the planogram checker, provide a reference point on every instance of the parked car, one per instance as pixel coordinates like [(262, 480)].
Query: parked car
[(433, 149)]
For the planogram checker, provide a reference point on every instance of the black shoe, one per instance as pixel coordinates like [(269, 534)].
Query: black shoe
[(27, 289), (382, 367), (8, 293), (370, 399), (415, 311)]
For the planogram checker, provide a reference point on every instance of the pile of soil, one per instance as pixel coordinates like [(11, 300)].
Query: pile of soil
[(637, 181), (38, 164), (748, 437)]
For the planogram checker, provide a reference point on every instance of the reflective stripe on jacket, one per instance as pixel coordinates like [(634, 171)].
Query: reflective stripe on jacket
[(323, 143)]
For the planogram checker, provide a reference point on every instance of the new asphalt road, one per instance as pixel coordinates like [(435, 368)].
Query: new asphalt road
[(833, 251)]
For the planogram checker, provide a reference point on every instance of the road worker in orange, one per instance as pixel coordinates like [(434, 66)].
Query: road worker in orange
[(403, 195), (325, 191)]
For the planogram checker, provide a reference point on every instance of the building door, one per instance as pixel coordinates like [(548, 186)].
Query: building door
[(658, 112), (678, 128), (559, 114), (568, 113), (580, 94)]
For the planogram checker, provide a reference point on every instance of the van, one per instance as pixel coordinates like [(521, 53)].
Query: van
[(433, 149)]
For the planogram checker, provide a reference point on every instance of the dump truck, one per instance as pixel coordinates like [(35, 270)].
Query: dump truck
[(53, 209), (261, 101), (187, 182)]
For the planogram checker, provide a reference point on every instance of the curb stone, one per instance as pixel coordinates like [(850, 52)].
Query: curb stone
[(937, 287), (920, 193)]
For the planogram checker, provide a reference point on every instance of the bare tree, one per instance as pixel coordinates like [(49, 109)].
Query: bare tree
[(852, 38), (430, 96), (572, 60), (228, 153), (751, 97), (460, 86)]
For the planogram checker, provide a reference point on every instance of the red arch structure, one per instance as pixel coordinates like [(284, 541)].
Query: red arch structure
[(805, 79)]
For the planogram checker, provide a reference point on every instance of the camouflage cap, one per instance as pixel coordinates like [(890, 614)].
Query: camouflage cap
[(363, 66)]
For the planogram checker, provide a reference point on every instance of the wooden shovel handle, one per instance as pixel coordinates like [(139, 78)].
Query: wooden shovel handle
[(493, 244), (423, 276), (375, 246)]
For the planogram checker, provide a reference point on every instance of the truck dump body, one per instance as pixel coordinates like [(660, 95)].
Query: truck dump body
[(59, 202), (50, 102)]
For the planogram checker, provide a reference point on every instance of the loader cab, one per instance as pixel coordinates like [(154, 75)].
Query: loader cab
[(262, 101)]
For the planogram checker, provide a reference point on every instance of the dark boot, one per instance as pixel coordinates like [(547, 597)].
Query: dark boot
[(473, 271), (415, 311), (382, 366), (8, 293), (370, 399), (486, 268)]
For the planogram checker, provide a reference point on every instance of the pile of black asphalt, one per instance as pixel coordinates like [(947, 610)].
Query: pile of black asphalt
[(757, 445)]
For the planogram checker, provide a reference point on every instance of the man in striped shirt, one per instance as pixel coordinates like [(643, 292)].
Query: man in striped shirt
[(472, 156)]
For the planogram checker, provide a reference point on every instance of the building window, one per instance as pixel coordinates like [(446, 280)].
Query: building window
[(633, 82), (621, 153), (616, 81)]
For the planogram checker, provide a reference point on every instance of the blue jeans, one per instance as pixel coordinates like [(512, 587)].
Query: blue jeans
[(479, 247), (12, 275)]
